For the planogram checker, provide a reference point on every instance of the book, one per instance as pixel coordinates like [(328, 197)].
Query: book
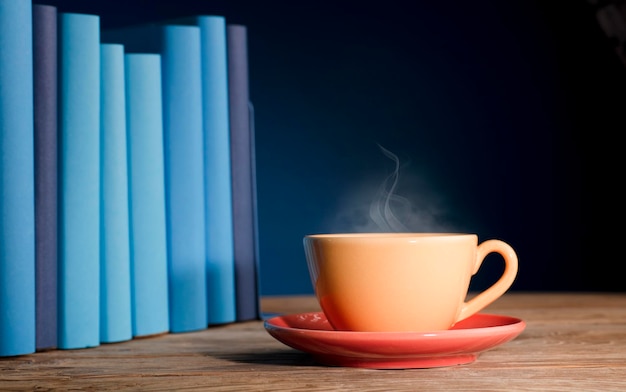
[(243, 175), (17, 193), (221, 295), (45, 161), (146, 183), (115, 299), (79, 171), (179, 47)]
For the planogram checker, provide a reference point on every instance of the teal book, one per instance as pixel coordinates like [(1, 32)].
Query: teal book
[(221, 295), (115, 302), (17, 193), (79, 175), (146, 183), (45, 139), (179, 47), (243, 175)]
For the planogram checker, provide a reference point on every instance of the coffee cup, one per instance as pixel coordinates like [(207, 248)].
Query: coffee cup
[(409, 282)]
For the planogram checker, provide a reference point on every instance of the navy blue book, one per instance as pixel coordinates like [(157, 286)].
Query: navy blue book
[(243, 175), (17, 193), (179, 47), (45, 111)]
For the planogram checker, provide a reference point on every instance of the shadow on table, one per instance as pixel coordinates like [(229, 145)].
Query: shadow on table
[(273, 357)]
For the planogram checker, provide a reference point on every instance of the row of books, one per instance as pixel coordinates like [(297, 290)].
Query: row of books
[(127, 180)]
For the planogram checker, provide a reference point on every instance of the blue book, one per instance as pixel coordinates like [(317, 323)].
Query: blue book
[(179, 47), (243, 175), (221, 295), (17, 193), (45, 139), (115, 308), (146, 182), (79, 171)]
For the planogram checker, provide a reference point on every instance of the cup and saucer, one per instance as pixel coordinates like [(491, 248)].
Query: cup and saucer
[(399, 300), (312, 333)]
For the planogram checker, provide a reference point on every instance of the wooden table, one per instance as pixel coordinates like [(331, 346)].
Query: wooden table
[(572, 342)]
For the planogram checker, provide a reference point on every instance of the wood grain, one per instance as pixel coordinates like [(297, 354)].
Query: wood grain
[(572, 342)]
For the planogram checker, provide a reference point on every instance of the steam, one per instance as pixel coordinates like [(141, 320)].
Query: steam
[(380, 209), (402, 202)]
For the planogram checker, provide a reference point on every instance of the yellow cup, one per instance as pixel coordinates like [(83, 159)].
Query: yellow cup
[(402, 281)]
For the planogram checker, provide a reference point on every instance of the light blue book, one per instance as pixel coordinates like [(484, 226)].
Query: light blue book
[(79, 149), (17, 194), (146, 181), (179, 47), (221, 295), (115, 308)]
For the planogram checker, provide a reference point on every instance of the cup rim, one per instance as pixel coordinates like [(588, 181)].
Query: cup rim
[(386, 235)]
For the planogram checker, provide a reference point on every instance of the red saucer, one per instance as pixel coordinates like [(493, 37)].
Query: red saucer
[(311, 333)]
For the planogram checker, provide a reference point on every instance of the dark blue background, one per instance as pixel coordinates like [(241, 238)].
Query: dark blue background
[(506, 116)]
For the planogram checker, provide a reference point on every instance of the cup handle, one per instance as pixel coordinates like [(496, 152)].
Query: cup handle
[(496, 290)]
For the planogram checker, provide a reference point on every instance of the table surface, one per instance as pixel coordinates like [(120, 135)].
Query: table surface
[(572, 342)]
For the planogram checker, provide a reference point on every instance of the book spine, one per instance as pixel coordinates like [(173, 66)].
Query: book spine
[(144, 110), (79, 128), (45, 139), (17, 193), (244, 220), (219, 207), (115, 303), (184, 177), (254, 311)]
